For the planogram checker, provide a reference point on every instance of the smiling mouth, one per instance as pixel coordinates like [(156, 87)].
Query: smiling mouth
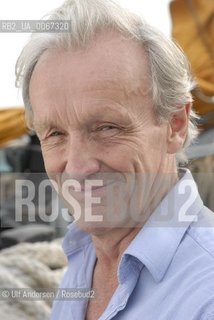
[(88, 191), (85, 188)]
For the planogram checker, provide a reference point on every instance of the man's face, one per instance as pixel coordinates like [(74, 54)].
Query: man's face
[(94, 116)]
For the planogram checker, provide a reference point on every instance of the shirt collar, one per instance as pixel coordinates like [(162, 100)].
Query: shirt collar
[(156, 243)]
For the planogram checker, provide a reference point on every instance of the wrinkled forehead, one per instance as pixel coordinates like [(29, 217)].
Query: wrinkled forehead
[(110, 58), (112, 72)]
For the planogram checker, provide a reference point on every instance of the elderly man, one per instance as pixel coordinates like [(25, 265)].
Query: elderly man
[(111, 104)]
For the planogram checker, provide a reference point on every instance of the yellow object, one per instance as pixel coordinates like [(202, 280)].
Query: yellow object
[(12, 124), (193, 29)]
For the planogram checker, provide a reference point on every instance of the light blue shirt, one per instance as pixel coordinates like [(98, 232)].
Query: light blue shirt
[(167, 271)]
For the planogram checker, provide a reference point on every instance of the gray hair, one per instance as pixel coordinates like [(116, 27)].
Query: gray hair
[(170, 71)]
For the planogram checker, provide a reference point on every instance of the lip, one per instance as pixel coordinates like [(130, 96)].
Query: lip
[(94, 188), (93, 191)]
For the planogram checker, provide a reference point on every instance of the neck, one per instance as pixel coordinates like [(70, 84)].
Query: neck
[(111, 244)]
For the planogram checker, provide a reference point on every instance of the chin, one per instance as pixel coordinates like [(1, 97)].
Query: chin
[(100, 228), (94, 230)]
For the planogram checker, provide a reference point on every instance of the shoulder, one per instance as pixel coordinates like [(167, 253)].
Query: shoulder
[(202, 233), (193, 268), (196, 253), (194, 258)]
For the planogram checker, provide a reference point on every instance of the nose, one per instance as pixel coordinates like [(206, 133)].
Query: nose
[(81, 159)]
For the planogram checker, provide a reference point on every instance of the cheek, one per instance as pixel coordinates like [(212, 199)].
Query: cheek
[(53, 163), (127, 155), (119, 157), (150, 154)]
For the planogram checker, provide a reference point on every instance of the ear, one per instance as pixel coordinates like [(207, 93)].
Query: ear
[(177, 129)]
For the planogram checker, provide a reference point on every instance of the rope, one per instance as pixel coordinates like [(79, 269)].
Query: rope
[(30, 265)]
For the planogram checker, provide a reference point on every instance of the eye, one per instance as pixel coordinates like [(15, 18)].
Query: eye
[(106, 128), (55, 134)]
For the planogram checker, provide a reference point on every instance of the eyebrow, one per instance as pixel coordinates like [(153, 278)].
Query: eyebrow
[(98, 115), (43, 125), (115, 110)]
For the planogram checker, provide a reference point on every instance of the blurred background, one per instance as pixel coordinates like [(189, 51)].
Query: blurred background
[(31, 248)]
